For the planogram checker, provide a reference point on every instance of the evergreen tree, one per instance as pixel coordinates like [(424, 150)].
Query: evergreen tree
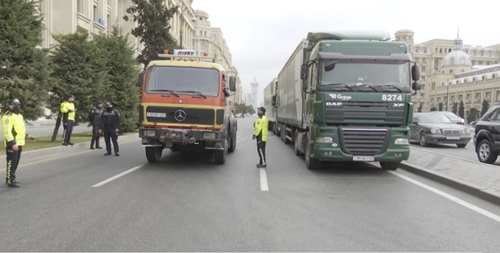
[(153, 29), (472, 115), (419, 108), (122, 74), (454, 109), (79, 68), (461, 110), (433, 109), (440, 106), (485, 107), (24, 71)]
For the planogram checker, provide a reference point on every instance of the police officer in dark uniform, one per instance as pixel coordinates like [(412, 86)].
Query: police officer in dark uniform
[(95, 121), (110, 126)]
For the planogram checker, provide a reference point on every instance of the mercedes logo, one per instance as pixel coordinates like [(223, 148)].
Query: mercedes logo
[(180, 115)]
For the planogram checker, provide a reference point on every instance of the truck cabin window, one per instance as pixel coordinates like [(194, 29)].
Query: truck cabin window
[(374, 74), (183, 80)]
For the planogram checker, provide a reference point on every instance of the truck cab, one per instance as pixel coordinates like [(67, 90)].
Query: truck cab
[(184, 106)]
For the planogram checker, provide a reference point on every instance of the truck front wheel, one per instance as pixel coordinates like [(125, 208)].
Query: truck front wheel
[(153, 154), (390, 165), (220, 155), (232, 140)]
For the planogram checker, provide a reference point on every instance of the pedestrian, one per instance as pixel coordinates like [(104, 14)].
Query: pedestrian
[(260, 133), (68, 117), (95, 121), (14, 133), (110, 126)]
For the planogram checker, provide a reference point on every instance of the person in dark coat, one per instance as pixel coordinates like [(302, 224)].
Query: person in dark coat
[(95, 121), (110, 126)]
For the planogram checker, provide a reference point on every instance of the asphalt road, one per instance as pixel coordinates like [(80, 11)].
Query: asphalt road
[(187, 203), (452, 150)]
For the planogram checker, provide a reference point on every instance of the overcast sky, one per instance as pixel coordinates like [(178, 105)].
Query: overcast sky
[(262, 34)]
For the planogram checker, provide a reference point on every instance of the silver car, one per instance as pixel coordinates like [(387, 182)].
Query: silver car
[(435, 128), (453, 117)]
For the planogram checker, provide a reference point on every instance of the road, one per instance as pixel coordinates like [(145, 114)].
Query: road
[(187, 203), (452, 150)]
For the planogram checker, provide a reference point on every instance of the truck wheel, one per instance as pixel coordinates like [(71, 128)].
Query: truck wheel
[(153, 154), (232, 141), (390, 165), (311, 163), (220, 155)]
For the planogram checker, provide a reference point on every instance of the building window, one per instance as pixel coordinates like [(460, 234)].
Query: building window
[(488, 96), (451, 71), (79, 6), (108, 20), (498, 96), (436, 64), (203, 46), (96, 19)]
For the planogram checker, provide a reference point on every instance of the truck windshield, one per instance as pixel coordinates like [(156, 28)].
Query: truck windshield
[(189, 80), (373, 74)]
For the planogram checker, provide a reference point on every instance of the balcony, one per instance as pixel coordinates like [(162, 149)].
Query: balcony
[(83, 22)]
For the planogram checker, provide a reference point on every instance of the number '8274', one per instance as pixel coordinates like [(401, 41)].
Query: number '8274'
[(392, 97)]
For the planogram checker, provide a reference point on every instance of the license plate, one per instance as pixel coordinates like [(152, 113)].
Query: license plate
[(453, 138), (363, 158)]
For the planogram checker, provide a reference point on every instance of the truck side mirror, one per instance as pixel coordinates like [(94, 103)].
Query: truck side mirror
[(273, 100), (415, 72), (416, 85), (140, 79), (303, 71), (232, 83), (330, 66)]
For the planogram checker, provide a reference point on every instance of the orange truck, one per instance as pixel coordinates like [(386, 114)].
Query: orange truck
[(185, 107)]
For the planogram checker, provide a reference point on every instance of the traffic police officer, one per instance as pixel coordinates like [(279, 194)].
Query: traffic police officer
[(14, 133), (68, 112), (110, 125), (95, 122), (260, 133)]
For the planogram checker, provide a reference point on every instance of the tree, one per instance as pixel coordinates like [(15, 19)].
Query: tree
[(485, 107), (454, 109), (472, 115), (24, 70), (419, 108), (433, 109), (79, 68), (440, 106), (153, 29), (461, 110), (122, 76)]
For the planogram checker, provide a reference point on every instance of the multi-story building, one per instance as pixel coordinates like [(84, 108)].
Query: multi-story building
[(208, 39), (192, 31), (453, 72)]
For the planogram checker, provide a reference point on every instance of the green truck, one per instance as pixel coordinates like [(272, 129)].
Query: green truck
[(346, 96)]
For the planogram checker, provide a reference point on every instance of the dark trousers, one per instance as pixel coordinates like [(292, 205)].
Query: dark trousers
[(68, 130), (13, 158), (95, 137), (261, 149), (111, 135)]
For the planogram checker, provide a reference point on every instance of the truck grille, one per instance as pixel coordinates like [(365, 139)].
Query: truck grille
[(192, 115), (364, 112), (356, 141), (452, 131)]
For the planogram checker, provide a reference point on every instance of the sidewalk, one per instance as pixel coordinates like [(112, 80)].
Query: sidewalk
[(479, 179)]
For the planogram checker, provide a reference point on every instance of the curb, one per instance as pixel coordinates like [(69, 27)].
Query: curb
[(51, 150), (453, 183)]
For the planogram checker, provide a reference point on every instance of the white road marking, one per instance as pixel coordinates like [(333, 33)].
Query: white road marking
[(263, 180), (117, 176), (450, 197)]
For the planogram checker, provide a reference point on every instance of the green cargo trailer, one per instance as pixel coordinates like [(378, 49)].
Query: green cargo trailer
[(346, 96)]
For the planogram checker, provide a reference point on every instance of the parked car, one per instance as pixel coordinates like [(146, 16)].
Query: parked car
[(453, 117), (434, 128), (487, 136)]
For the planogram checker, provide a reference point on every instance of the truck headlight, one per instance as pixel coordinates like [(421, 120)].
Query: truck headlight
[(434, 130), (402, 141), (210, 136), (324, 139), (150, 133)]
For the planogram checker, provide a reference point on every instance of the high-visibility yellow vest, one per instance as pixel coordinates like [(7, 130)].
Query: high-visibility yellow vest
[(14, 129), (261, 126), (68, 110)]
